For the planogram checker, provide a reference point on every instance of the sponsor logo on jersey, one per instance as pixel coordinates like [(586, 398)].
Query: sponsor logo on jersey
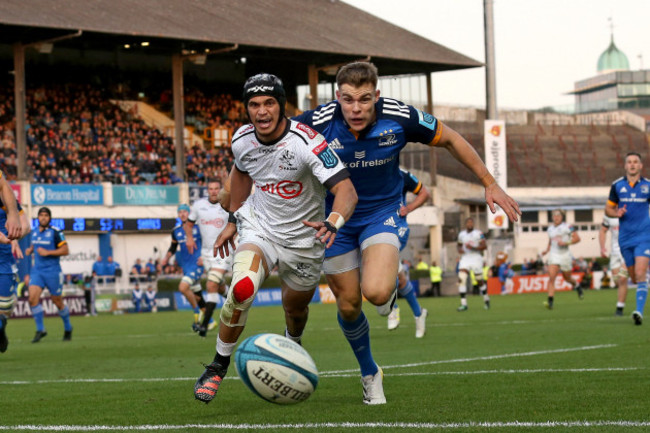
[(633, 195), (364, 164), (390, 222), (427, 120), (266, 150), (360, 155), (645, 189), (286, 189), (336, 144), (623, 189), (307, 130), (248, 158), (286, 158), (647, 252), (216, 222), (387, 140), (325, 154)]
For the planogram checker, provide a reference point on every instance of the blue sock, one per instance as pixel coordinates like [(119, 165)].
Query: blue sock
[(65, 316), (641, 295), (37, 312), (409, 294), (358, 335), (197, 310), (3, 319)]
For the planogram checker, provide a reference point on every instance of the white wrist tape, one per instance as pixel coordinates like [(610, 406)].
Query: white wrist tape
[(339, 220)]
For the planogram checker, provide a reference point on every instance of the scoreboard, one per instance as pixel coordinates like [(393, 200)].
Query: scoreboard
[(108, 225)]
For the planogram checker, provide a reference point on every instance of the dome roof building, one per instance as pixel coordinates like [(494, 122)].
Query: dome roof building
[(612, 59)]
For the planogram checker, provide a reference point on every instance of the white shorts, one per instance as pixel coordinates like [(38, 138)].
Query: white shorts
[(298, 268), (616, 261), (563, 260), (472, 263), (211, 262)]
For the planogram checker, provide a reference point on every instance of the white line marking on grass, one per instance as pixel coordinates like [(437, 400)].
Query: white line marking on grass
[(333, 425), (471, 372), (486, 358)]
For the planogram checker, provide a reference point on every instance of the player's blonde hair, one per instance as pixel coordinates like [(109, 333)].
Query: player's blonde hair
[(357, 74), (559, 211)]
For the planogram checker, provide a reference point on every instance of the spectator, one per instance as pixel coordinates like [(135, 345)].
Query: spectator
[(421, 265), (137, 271), (150, 299), (151, 269), (435, 273), (99, 268), (113, 268)]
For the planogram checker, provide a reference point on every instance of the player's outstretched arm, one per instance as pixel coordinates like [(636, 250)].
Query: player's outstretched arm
[(345, 200), (465, 153), (240, 188), (13, 226)]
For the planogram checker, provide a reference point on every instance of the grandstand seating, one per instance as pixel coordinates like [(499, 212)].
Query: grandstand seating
[(548, 155)]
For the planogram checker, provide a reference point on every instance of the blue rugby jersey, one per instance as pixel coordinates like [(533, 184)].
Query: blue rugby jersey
[(411, 184), (183, 257), (635, 223), (372, 158), (50, 238)]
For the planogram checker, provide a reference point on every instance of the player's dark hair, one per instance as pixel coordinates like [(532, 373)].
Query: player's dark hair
[(634, 154), (357, 74)]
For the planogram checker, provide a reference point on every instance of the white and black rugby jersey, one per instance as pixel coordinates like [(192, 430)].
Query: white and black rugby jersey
[(291, 177), (211, 219)]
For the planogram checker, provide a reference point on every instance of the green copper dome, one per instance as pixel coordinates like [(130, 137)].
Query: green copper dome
[(613, 59)]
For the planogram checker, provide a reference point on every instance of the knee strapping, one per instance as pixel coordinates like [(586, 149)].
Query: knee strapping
[(462, 282), (215, 276), (248, 275), (7, 304), (188, 280), (196, 288)]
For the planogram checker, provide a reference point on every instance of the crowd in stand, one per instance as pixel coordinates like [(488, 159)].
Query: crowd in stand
[(76, 135)]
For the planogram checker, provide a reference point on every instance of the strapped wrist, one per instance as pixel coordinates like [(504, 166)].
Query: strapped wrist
[(488, 180), (232, 218), (336, 219), (330, 227)]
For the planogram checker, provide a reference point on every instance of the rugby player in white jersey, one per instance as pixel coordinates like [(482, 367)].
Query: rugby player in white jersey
[(560, 236), (616, 265), (211, 218), (282, 224), (471, 244)]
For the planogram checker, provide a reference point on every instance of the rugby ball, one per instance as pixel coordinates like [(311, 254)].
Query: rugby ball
[(276, 368)]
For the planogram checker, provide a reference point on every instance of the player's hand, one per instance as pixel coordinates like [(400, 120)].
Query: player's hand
[(603, 252), (226, 237), (403, 211), (42, 252), (495, 195), (191, 245), (4, 240), (15, 250), (621, 211), (326, 233), (14, 230)]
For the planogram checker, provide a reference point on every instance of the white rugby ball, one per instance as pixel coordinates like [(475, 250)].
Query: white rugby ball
[(276, 368)]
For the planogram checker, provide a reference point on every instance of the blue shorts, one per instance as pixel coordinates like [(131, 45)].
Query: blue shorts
[(630, 252), (53, 281), (354, 233), (403, 231), (193, 272), (7, 285)]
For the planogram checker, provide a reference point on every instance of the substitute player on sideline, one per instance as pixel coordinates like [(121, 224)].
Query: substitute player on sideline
[(211, 217), (560, 236), (616, 265), (471, 244), (405, 288), (368, 132), (629, 201), (292, 167), (48, 246)]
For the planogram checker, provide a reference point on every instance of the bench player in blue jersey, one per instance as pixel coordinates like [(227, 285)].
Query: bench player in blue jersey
[(629, 201), (48, 246), (368, 132), (413, 185), (190, 263), (9, 251)]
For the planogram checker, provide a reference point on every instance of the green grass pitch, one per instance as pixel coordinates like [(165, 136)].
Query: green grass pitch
[(517, 367)]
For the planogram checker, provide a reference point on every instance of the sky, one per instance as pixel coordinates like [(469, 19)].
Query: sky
[(542, 47)]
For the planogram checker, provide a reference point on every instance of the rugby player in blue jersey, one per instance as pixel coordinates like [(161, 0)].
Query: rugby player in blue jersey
[(48, 246), (629, 201), (190, 263), (367, 133), (9, 251), (411, 184)]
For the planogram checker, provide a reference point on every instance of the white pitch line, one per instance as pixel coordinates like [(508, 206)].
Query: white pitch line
[(484, 358), (333, 425), (339, 375)]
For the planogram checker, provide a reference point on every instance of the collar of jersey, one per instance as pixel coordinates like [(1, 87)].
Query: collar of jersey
[(280, 138)]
